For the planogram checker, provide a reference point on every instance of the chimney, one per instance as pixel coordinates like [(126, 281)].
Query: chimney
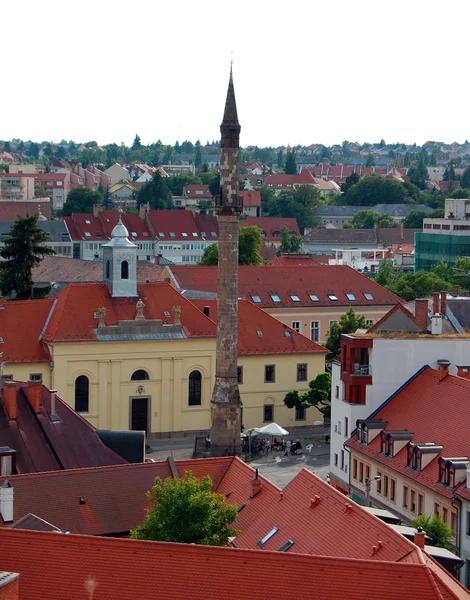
[(53, 407), (142, 211), (207, 311), (444, 303), (435, 303), (463, 371), (421, 313), (436, 324), (158, 259), (255, 485), (35, 395), (6, 502), (419, 538), (456, 290), (443, 368), (9, 398), (402, 231), (97, 210)]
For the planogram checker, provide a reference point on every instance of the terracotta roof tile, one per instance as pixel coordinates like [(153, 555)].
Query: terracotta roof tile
[(424, 395), (10, 210), (274, 340), (285, 281), (70, 566), (251, 198), (176, 222), (304, 177)]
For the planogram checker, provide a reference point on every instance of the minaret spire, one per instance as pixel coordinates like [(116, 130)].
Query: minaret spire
[(225, 404)]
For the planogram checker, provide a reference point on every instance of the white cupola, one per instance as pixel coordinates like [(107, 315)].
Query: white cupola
[(120, 263)]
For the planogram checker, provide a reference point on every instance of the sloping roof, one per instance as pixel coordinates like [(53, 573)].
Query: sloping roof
[(383, 324), (45, 445), (195, 190), (431, 408), (34, 523), (27, 347), (271, 226), (304, 177), (394, 210), (61, 269), (286, 281), (460, 308), (115, 497), (275, 338), (297, 260), (83, 226), (251, 198), (132, 568), (11, 210), (136, 226), (179, 222), (70, 321), (395, 235), (322, 235)]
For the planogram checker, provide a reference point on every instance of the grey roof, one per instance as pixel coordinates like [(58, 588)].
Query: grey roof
[(197, 295), (460, 310), (34, 523), (394, 210), (210, 158), (54, 230), (386, 236)]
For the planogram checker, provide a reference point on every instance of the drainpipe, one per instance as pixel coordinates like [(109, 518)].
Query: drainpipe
[(458, 508)]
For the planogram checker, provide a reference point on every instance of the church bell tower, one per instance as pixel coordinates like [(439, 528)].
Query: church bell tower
[(120, 263)]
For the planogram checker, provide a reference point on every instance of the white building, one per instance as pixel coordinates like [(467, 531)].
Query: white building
[(464, 534)]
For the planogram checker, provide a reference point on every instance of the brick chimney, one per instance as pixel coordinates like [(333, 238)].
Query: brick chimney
[(443, 368), (255, 485), (157, 259), (456, 290), (142, 210), (35, 395), (419, 538), (435, 303), (444, 303), (97, 210), (421, 313), (9, 398), (463, 371)]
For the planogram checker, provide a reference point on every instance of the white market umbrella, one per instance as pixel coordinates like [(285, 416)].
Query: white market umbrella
[(273, 429)]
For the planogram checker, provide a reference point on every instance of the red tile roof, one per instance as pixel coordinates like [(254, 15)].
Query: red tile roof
[(285, 281), (43, 445), (430, 408), (133, 223), (11, 210), (252, 320), (71, 322), (296, 260), (283, 181), (251, 198), (83, 226), (27, 347), (177, 222), (57, 566), (194, 190), (271, 226)]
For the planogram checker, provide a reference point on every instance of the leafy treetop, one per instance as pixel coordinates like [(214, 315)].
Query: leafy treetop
[(187, 511), (318, 395), (348, 323), (81, 200), (249, 248)]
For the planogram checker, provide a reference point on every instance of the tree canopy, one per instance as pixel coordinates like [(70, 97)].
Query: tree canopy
[(156, 193), (291, 165), (414, 220), (439, 532), (348, 323), (368, 219), (23, 249), (249, 248), (298, 204), (373, 189), (81, 200), (318, 395), (415, 284), (290, 243), (187, 511)]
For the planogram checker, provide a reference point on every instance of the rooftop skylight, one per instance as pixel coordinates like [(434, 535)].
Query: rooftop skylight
[(350, 296), (166, 313), (275, 298), (87, 234), (183, 234), (260, 333), (295, 298), (267, 537), (368, 296), (161, 234), (285, 547), (87, 221), (213, 234), (333, 297), (287, 334), (194, 234), (256, 299), (314, 298), (172, 234)]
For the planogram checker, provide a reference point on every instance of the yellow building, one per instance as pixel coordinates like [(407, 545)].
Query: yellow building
[(130, 356)]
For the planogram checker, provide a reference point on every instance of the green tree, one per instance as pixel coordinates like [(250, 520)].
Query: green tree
[(280, 159), (439, 532), (386, 273), (438, 213), (318, 395), (81, 200), (348, 323), (465, 179), (414, 220), (460, 193), (418, 174), (187, 511), (33, 150), (290, 244), (291, 166), (155, 192), (40, 192), (349, 182), (419, 284), (6, 147), (365, 219), (249, 248), (373, 189), (178, 182), (298, 204), (449, 173), (23, 249), (370, 162), (198, 159), (461, 271), (136, 144)]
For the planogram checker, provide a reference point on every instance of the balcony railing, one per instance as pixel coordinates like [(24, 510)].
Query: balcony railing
[(362, 369)]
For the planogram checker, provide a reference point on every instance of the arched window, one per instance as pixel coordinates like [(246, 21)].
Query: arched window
[(108, 269), (124, 270), (139, 375), (82, 392), (194, 391)]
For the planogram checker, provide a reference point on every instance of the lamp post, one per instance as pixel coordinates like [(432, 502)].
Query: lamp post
[(367, 484)]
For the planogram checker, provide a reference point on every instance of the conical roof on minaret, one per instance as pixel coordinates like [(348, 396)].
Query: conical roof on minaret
[(230, 112)]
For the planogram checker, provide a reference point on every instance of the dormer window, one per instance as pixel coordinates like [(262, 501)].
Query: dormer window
[(452, 471)]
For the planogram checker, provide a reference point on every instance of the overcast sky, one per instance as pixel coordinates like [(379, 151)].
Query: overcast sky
[(305, 71)]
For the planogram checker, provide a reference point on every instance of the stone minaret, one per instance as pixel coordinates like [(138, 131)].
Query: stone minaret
[(225, 404)]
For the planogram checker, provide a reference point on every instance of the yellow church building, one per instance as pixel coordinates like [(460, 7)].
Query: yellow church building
[(129, 356)]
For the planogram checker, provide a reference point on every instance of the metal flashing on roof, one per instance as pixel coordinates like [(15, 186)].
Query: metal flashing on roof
[(128, 337), (43, 330)]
